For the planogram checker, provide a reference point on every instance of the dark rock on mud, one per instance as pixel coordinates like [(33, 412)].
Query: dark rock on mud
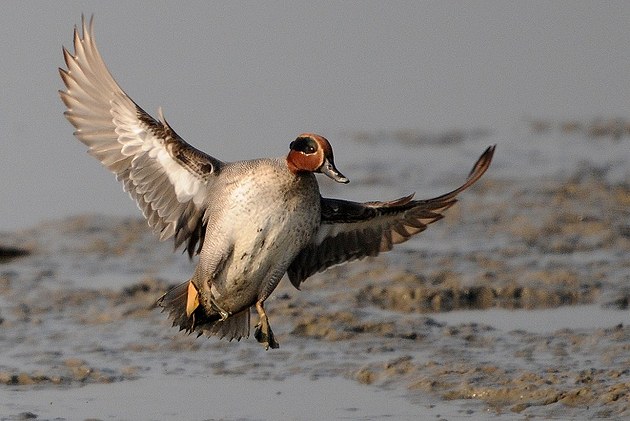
[(7, 253)]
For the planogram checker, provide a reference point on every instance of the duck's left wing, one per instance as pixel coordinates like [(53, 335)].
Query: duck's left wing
[(351, 230)]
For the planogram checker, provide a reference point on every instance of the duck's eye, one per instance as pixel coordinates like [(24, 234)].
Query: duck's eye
[(305, 145)]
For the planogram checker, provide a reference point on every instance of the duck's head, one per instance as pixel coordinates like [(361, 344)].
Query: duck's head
[(312, 153)]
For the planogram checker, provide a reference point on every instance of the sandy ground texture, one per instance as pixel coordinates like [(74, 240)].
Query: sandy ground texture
[(515, 306)]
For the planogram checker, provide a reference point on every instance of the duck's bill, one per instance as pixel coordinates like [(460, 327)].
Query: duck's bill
[(329, 169)]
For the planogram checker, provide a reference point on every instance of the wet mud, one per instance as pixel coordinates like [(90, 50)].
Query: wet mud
[(79, 307)]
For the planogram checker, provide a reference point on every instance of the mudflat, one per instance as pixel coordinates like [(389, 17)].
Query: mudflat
[(515, 305)]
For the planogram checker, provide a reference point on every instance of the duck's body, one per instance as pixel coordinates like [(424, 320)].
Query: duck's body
[(259, 224), (264, 216), (250, 221)]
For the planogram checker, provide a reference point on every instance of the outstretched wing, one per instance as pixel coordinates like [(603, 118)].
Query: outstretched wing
[(351, 230), (168, 178)]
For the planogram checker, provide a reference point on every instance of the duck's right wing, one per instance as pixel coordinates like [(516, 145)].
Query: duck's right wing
[(351, 230), (169, 179)]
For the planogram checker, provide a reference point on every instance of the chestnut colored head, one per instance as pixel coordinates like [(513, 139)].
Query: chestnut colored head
[(311, 152)]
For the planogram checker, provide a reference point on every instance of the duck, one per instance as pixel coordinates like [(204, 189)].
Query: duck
[(249, 222)]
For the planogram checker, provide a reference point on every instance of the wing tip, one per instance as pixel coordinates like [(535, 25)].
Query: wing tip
[(483, 163), (479, 169), (87, 28)]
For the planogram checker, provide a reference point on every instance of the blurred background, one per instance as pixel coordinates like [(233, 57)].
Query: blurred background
[(242, 79)]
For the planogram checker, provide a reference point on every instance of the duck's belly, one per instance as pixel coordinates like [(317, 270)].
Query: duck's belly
[(262, 249)]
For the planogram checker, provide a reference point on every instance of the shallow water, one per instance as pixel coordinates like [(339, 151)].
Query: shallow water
[(540, 321), (208, 396)]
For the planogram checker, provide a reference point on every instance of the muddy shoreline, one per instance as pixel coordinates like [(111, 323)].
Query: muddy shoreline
[(78, 308)]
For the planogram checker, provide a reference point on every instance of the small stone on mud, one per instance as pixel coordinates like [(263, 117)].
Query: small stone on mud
[(26, 416)]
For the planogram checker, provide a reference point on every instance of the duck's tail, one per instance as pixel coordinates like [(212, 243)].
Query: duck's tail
[(182, 304)]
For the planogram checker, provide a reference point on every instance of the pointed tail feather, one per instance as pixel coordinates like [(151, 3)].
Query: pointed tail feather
[(183, 308), (234, 327), (175, 301)]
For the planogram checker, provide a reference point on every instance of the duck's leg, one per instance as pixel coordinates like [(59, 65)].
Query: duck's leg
[(262, 332), (223, 313)]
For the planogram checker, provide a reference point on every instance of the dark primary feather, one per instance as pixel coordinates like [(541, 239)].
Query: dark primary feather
[(351, 230)]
